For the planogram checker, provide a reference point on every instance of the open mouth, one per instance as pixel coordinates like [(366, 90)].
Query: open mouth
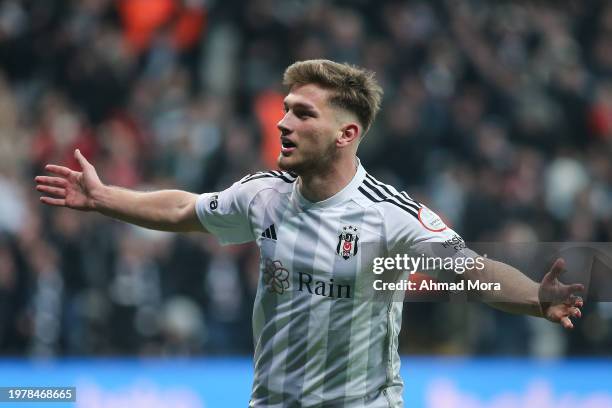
[(287, 146)]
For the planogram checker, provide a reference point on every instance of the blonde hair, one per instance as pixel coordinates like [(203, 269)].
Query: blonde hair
[(353, 89)]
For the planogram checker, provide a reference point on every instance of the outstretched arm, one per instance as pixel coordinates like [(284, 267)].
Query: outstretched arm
[(165, 210), (550, 298)]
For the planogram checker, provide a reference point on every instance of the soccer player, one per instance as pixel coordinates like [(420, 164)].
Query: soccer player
[(321, 339)]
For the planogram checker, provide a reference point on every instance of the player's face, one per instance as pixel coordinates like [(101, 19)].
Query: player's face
[(309, 130)]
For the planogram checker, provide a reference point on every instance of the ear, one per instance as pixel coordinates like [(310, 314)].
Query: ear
[(348, 134)]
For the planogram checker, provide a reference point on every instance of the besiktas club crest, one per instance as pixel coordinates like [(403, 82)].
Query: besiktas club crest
[(347, 242)]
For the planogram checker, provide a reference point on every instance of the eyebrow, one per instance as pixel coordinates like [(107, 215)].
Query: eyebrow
[(300, 105)]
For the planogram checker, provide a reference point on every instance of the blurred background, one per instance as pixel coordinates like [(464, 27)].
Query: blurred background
[(498, 115)]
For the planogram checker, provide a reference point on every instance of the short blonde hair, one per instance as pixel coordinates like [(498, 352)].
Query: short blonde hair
[(354, 89)]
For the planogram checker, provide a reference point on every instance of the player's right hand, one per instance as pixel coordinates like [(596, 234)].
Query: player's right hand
[(69, 188)]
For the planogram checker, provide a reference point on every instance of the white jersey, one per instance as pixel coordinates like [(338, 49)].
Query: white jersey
[(321, 338)]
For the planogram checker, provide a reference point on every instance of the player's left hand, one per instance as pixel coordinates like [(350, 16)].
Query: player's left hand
[(558, 301)]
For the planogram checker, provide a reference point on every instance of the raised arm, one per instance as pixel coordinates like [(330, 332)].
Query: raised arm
[(164, 210)]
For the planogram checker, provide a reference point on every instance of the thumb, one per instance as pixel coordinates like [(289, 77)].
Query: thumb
[(81, 159), (555, 270)]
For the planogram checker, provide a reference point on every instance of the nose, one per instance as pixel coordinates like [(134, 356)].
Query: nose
[(282, 126)]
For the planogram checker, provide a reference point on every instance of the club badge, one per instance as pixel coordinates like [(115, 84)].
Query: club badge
[(347, 242)]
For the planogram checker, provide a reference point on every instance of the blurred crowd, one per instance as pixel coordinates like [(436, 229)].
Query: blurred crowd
[(498, 115)]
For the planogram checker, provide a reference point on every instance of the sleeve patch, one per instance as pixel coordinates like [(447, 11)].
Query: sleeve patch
[(430, 220)]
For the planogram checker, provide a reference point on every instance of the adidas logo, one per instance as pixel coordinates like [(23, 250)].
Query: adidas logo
[(270, 232)]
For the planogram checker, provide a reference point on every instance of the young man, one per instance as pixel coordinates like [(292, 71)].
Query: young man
[(321, 337)]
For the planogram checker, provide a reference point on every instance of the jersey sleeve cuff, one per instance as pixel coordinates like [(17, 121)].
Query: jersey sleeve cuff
[(201, 213)]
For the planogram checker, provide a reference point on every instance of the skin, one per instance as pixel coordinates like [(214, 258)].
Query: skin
[(326, 140), (550, 299)]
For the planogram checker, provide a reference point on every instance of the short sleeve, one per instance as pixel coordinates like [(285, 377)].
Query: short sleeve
[(226, 214), (422, 233)]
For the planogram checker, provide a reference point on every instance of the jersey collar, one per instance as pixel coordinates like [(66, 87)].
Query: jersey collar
[(339, 197)]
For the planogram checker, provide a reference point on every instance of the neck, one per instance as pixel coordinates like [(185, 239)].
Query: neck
[(320, 185)]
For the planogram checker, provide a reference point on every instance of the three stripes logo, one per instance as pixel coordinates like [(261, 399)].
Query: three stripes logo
[(286, 176), (269, 232), (378, 192)]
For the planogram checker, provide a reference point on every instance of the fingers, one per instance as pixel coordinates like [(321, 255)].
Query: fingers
[(578, 301), (575, 312), (54, 186), (565, 319), (555, 271), (566, 323), (60, 202), (81, 159), (51, 181), (58, 170), (574, 300), (65, 171), (56, 191)]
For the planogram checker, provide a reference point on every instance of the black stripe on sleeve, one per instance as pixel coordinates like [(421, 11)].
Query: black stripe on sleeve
[(396, 197), (412, 204), (365, 193), (378, 183), (410, 199), (269, 174), (402, 196), (390, 200), (374, 189), (260, 176)]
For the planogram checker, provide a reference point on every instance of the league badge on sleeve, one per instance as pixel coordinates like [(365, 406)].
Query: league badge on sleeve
[(347, 242), (430, 220)]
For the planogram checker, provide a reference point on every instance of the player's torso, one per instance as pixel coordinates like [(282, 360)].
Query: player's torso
[(316, 326), (323, 252)]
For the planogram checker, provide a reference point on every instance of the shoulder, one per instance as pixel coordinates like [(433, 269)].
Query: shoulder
[(387, 200), (274, 180), (238, 198), (401, 213), (406, 221), (270, 177)]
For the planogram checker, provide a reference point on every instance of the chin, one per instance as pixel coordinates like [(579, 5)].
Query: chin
[(286, 163), (300, 165)]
